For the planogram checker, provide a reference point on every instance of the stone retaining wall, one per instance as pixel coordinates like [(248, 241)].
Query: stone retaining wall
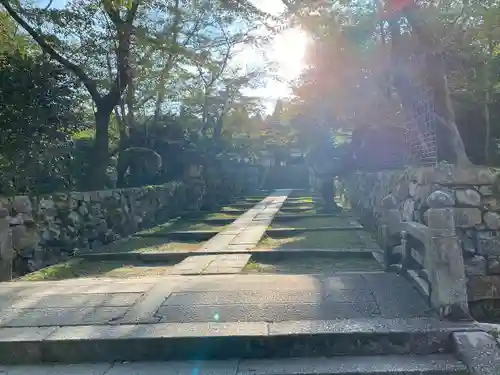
[(50, 228), (476, 211), (44, 230)]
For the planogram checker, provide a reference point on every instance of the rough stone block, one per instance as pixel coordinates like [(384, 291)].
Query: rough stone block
[(468, 197), (491, 204), (21, 204), (482, 287), (486, 190), (23, 238), (492, 220), (475, 266), (479, 351), (488, 244), (450, 174), (467, 217), (439, 199)]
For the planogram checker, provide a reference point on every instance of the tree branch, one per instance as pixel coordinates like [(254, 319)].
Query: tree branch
[(89, 83), (124, 33)]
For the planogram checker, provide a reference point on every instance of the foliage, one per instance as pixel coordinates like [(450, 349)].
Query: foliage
[(348, 79), (39, 113)]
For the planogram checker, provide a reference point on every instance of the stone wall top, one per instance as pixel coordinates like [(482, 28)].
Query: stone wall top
[(449, 174)]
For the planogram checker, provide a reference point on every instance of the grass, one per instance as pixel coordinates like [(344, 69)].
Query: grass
[(80, 268), (317, 240), (311, 222), (313, 265), (299, 200), (149, 244), (233, 210), (184, 225), (222, 215)]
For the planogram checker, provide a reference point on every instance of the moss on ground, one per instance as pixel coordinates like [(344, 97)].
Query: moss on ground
[(222, 215), (184, 225), (313, 265), (149, 244), (80, 268), (312, 222), (317, 240)]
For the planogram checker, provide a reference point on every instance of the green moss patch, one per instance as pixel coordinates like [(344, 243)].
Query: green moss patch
[(313, 265), (318, 240), (79, 268), (233, 210), (149, 244), (311, 222)]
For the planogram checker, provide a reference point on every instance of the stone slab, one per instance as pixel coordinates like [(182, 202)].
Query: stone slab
[(232, 263), (65, 316), (22, 345), (176, 368), (58, 369), (251, 282), (265, 312), (193, 265), (230, 340), (76, 286), (250, 236), (345, 281), (88, 300), (244, 233), (144, 310), (350, 365), (479, 351), (370, 325), (396, 297), (355, 365)]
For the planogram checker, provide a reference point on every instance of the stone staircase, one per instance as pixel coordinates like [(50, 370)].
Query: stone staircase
[(194, 323)]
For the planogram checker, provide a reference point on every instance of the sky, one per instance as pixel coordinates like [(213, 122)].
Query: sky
[(286, 51)]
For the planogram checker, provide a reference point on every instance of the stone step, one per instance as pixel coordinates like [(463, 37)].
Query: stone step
[(351, 365), (224, 341), (262, 254)]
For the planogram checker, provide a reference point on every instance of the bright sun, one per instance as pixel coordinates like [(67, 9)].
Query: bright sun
[(288, 50)]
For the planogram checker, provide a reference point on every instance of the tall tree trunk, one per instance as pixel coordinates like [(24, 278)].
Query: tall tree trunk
[(487, 85), (487, 115), (101, 147), (437, 80)]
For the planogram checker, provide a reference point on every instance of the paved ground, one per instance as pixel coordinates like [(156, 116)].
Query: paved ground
[(208, 297), (195, 301), (242, 234), (217, 298), (351, 365)]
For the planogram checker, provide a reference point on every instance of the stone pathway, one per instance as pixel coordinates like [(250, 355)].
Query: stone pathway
[(207, 299), (243, 234), (432, 364), (218, 316), (364, 322)]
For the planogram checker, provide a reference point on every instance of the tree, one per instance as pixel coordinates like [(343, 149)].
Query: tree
[(40, 111), (350, 29), (115, 21)]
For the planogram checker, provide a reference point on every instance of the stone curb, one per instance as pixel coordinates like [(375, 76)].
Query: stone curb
[(479, 351), (186, 341)]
